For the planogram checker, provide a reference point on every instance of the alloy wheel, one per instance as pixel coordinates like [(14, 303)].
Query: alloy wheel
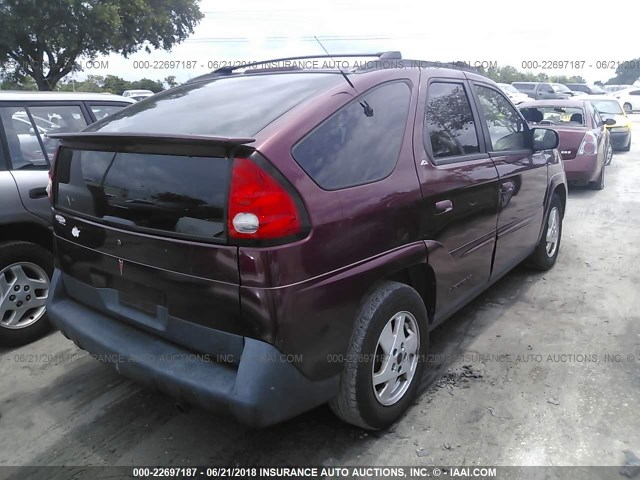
[(24, 288), (553, 231), (396, 358)]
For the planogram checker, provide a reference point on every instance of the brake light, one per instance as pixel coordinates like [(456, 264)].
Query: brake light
[(588, 145), (259, 207)]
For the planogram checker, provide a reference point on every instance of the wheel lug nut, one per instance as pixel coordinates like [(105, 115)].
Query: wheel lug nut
[(16, 288), (19, 304), (12, 297), (28, 297), (26, 288)]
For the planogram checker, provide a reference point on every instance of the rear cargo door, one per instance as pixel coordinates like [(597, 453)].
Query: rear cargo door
[(142, 237)]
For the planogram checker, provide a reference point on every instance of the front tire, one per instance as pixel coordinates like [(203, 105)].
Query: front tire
[(628, 146), (25, 278), (384, 363), (545, 255)]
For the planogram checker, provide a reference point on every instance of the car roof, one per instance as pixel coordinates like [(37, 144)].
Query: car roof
[(30, 96)]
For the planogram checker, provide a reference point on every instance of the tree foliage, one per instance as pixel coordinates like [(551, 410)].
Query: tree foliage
[(44, 39), (626, 73)]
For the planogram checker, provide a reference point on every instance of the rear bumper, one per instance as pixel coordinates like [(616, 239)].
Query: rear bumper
[(620, 140), (261, 389), (582, 168)]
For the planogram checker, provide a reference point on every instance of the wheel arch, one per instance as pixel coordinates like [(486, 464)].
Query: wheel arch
[(27, 232)]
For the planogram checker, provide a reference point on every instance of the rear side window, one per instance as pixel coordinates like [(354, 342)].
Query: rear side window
[(57, 119), (180, 195), (506, 127), (23, 139), (448, 121), (360, 143), (102, 111)]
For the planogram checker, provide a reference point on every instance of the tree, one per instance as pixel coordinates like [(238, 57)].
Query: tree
[(146, 84), (626, 73), (171, 81), (44, 39)]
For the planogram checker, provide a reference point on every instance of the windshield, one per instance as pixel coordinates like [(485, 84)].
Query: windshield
[(558, 87), (610, 107), (570, 116)]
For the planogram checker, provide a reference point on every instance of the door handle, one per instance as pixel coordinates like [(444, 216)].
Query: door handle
[(507, 187), (40, 192), (443, 206)]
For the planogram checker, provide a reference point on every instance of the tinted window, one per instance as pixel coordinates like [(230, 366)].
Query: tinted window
[(237, 106), (524, 86), (25, 151), (57, 119), (448, 121), (506, 127), (180, 195), (352, 148)]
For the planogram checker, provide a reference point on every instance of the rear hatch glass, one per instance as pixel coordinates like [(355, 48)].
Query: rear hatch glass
[(170, 195)]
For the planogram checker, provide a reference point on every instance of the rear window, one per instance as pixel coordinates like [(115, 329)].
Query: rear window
[(237, 106), (524, 86), (180, 195), (570, 116)]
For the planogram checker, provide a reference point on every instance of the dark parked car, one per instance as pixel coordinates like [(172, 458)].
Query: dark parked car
[(584, 139), (586, 88), (543, 90), (26, 262), (263, 242)]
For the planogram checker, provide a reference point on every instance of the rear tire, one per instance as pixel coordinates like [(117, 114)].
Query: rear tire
[(365, 397), (545, 255), (609, 157), (25, 277), (598, 184)]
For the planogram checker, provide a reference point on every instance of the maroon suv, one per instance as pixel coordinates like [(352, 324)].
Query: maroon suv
[(262, 242)]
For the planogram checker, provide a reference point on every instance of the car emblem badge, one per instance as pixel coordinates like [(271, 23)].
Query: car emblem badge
[(423, 162), (120, 265), (75, 231)]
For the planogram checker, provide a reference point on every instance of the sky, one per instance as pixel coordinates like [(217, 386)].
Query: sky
[(586, 33)]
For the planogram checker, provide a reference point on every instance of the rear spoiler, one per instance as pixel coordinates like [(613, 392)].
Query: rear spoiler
[(160, 143)]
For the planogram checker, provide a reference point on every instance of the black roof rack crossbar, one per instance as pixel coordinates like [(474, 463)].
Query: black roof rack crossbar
[(391, 55)]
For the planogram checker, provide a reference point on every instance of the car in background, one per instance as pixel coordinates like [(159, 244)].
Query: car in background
[(629, 98), (26, 153), (585, 88), (543, 90), (137, 95), (584, 140), (262, 229), (514, 95), (610, 89), (619, 132)]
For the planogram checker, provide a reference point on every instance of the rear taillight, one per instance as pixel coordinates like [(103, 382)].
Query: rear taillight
[(588, 145), (260, 207)]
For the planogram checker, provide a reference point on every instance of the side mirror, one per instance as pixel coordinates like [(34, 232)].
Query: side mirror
[(610, 121), (544, 139)]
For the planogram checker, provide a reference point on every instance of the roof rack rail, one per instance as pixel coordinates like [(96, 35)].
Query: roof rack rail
[(390, 55)]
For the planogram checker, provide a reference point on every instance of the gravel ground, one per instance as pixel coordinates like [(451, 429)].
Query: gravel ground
[(518, 377)]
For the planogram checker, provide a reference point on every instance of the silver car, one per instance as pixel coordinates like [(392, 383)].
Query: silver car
[(26, 153)]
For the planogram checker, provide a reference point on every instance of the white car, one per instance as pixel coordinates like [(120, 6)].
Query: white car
[(137, 95), (629, 98), (514, 95)]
